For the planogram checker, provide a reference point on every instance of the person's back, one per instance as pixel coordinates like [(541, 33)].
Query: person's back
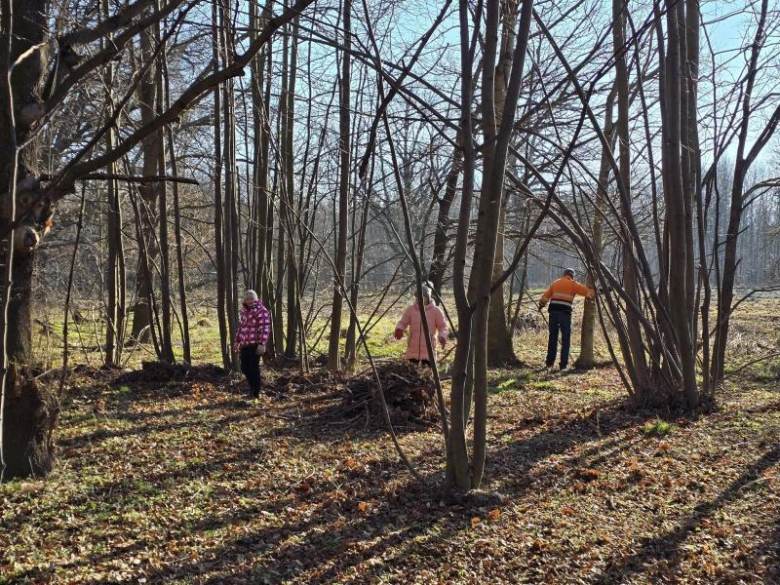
[(417, 349), (560, 295)]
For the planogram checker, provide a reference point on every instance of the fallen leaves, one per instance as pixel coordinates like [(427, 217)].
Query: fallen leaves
[(191, 484), (587, 474)]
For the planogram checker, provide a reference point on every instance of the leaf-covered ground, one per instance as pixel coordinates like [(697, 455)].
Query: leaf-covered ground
[(190, 483)]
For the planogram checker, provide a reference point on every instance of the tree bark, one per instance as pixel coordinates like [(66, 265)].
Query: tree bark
[(637, 360), (289, 211), (224, 335), (142, 313), (587, 357), (185, 322), (29, 409), (441, 236), (115, 272), (334, 354), (500, 351), (677, 231), (165, 257)]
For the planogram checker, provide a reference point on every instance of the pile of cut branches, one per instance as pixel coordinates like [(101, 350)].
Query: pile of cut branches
[(159, 374), (321, 380), (409, 391)]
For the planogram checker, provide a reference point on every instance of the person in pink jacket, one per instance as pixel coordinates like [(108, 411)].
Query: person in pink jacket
[(254, 329), (416, 348)]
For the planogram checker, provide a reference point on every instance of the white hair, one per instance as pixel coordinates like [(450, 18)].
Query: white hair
[(250, 294)]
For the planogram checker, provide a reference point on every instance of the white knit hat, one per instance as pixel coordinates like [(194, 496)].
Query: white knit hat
[(251, 294)]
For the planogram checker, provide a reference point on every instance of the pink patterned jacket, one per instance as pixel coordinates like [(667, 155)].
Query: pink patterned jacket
[(254, 324)]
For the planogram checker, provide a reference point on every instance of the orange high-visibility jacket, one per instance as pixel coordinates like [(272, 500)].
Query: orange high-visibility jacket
[(560, 294)]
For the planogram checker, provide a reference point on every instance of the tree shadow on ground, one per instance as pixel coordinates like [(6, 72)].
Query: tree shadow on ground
[(320, 533), (668, 546), (538, 438), (416, 519), (90, 439), (311, 546), (111, 494)]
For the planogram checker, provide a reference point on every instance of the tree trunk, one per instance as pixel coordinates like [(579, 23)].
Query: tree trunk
[(29, 409), (441, 236), (230, 240), (357, 269), (741, 167), (458, 465), (334, 354), (262, 130), (636, 361), (488, 223), (587, 358), (115, 272), (185, 323), (166, 344), (500, 350), (499, 343), (224, 336), (289, 211), (142, 313), (280, 184), (676, 216)]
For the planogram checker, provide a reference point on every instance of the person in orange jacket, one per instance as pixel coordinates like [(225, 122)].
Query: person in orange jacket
[(416, 348), (560, 295)]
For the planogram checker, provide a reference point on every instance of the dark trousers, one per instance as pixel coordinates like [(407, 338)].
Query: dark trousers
[(250, 367), (560, 321)]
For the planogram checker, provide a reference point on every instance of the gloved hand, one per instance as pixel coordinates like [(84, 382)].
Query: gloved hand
[(443, 340), (260, 349), (399, 333), (236, 347), (542, 304)]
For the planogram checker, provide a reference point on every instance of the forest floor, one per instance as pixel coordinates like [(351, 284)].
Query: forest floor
[(186, 481)]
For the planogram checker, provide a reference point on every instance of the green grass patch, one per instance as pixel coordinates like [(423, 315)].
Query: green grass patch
[(658, 428), (545, 386)]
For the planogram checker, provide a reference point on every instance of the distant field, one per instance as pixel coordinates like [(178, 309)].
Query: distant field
[(755, 333)]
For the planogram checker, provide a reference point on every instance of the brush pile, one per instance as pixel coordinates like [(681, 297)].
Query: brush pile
[(409, 391), (291, 382), (163, 374)]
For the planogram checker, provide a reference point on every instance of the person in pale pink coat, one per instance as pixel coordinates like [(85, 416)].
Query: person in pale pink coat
[(416, 348)]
